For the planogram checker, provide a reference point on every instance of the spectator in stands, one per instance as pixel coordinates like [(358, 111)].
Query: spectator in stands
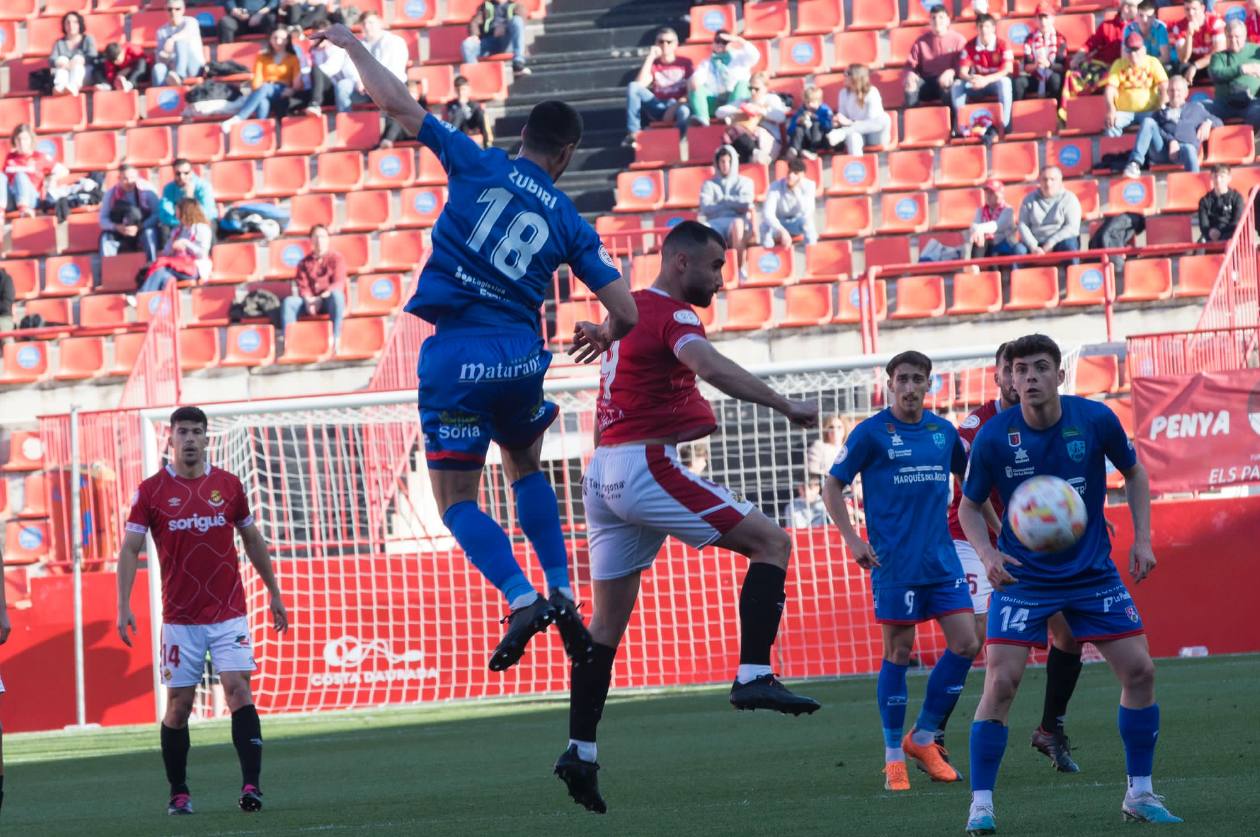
[(860, 119), (993, 231), (695, 457), (385, 46), (179, 51), (660, 88), (1174, 133), (27, 174), (333, 76), (1045, 60), (1153, 31), (321, 284), (277, 74), (392, 131), (309, 15), (806, 509), (73, 56), (726, 201), (1196, 37), (1050, 216), (985, 68), (247, 17), (1252, 21), (467, 115), (789, 208), (8, 295), (1137, 87), (723, 78), (186, 184), (498, 26), (129, 216), (122, 66), (756, 122), (823, 451), (1235, 71), (1102, 49), (186, 257), (933, 62), (1221, 208), (810, 127)]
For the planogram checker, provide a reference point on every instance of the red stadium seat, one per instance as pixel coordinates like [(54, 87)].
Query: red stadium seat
[(429, 170), (34, 496), (362, 338), (81, 358), (416, 13), (487, 80), (118, 274), (847, 217), (1168, 229), (956, 208), (644, 270), (684, 186), (439, 77), (234, 262), (54, 310), (444, 44), (62, 114), (854, 175), (962, 165), (103, 311), (887, 250), (165, 106), (390, 168), (34, 236), (253, 139), (940, 394), (1146, 280), (807, 305), (307, 341), (68, 276), (749, 309), (657, 148), (19, 9), (900, 40), (766, 20), (144, 28), (96, 151), (819, 17), (976, 293), (203, 142), (376, 295), (358, 130), (800, 55), (211, 304), (355, 249), (1074, 156), (1097, 375), (26, 452), (926, 127), (338, 171), (148, 146), (249, 345), (709, 18), (1131, 195), (769, 267), (849, 308), (41, 34), (198, 348), (1197, 274), (906, 213), (149, 304), (1184, 189), (919, 297), (975, 387), (1086, 192), (284, 255), (126, 350), (828, 261), (421, 206), (233, 180), (314, 209), (1033, 288), (910, 170), (1014, 162), (25, 363), (115, 108), (286, 176), (1016, 192), (1086, 284), (304, 134), (401, 250), (368, 210), (875, 14), (860, 46), (26, 542), (1033, 119), (244, 53), (105, 28), (1234, 145), (703, 141), (1123, 408), (25, 275), (1086, 115)]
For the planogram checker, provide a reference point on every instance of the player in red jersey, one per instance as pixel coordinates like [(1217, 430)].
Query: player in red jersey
[(636, 492), (1063, 665), (191, 508)]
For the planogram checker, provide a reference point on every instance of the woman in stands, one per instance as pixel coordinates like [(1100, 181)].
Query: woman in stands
[(27, 173), (860, 119), (277, 74), (187, 255), (73, 56)]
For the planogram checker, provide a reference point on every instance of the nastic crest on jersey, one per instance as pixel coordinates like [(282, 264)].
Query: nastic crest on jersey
[(606, 258), (971, 421), (843, 454), (686, 317), (216, 499)]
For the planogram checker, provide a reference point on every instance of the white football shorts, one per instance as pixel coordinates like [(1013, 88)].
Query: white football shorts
[(977, 578), (635, 495), (184, 650)]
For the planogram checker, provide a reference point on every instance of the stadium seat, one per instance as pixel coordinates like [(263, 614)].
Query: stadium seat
[(165, 106), (703, 141), (55, 310), (284, 255), (253, 139), (847, 217), (234, 262), (766, 20), (963, 165), (1086, 115), (26, 542), (198, 348), (926, 127), (1016, 192), (769, 267), (1234, 145), (1123, 408), (126, 350), (910, 170), (401, 250), (35, 236), (749, 309), (1097, 375), (1086, 191), (1032, 119), (1197, 274), (234, 180), (906, 213), (977, 115), (305, 134), (854, 175), (41, 34), (307, 341), (103, 311), (211, 304), (243, 52), (1131, 195), (105, 28), (849, 308), (1146, 280), (80, 358), (1077, 28), (55, 147), (709, 18), (887, 250), (421, 206), (287, 175), (956, 208), (25, 275), (684, 186), (26, 452), (819, 17), (875, 14), (919, 297), (940, 393), (813, 170), (807, 305), (1014, 162), (1122, 144), (62, 114), (1184, 189), (657, 148), (362, 338), (20, 72), (1168, 229), (622, 234), (828, 261), (115, 108), (96, 150), (355, 248), (25, 363), (414, 14), (149, 304), (570, 313), (315, 208), (1246, 179), (118, 274), (8, 39), (640, 191), (390, 168), (358, 130), (367, 210), (444, 43), (68, 276), (802, 55), (487, 79), (147, 146), (376, 295), (1033, 288), (643, 270), (429, 169), (975, 386), (144, 28), (203, 142), (440, 77), (252, 344), (1086, 284)]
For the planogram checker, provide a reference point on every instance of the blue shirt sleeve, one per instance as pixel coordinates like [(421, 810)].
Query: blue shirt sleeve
[(854, 456), (454, 149), (978, 482), (1115, 442), (589, 258)]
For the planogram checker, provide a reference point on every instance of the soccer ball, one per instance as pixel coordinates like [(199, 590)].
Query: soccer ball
[(1046, 514)]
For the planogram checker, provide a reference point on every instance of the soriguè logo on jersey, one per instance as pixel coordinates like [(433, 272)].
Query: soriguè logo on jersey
[(202, 523)]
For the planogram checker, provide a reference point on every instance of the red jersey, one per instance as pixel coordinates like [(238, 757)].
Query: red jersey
[(1105, 44), (669, 78), (645, 391), (1201, 43), (191, 522), (36, 166), (987, 60), (967, 432), (1253, 27)]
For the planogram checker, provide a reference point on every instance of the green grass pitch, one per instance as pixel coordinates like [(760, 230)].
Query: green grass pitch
[(675, 763)]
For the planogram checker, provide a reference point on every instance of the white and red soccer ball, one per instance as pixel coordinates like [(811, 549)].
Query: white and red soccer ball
[(1046, 514)]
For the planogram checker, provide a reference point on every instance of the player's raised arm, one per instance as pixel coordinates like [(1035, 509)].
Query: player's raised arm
[(258, 554), (833, 499), (390, 94), (715, 368), (128, 560), (590, 340)]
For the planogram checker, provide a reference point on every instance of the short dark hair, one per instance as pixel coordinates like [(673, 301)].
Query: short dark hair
[(796, 164), (180, 161), (1000, 354), (1034, 344), (982, 19), (916, 359), (1222, 168), (938, 10), (192, 414), (112, 51), (688, 234), (460, 81), (551, 126), (311, 232), (1147, 4)]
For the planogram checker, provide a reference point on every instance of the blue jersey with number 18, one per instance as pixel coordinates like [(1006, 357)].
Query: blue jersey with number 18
[(502, 234)]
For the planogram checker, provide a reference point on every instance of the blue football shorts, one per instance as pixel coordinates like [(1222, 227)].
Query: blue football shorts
[(919, 603), (1098, 612)]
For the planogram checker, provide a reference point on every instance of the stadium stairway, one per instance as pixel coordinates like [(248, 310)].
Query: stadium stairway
[(587, 55)]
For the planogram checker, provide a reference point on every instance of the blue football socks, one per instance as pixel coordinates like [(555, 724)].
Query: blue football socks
[(988, 744), (943, 689), (890, 691), (1138, 730), (539, 514), (488, 548)]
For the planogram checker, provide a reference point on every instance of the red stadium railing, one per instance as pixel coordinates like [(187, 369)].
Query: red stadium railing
[(1188, 352), (157, 379), (396, 368), (1235, 299)]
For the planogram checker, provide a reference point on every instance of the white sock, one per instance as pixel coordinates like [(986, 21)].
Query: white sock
[(586, 749), (982, 798), (893, 754), (523, 600), (749, 672), (922, 737), (1140, 784)]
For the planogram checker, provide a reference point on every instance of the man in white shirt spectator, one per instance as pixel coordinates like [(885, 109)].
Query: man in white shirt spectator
[(789, 208), (723, 78), (332, 70), (1050, 216), (179, 53), (660, 88), (985, 68), (385, 46)]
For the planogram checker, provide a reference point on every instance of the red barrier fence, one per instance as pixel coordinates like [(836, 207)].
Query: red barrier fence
[(1235, 298), (156, 379), (1188, 352)]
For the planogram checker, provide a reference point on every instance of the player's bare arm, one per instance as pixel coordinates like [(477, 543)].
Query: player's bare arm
[(991, 517), (833, 499), (4, 608), (590, 340), (1137, 491), (384, 88), (128, 560), (717, 369), (258, 554), (975, 527)]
